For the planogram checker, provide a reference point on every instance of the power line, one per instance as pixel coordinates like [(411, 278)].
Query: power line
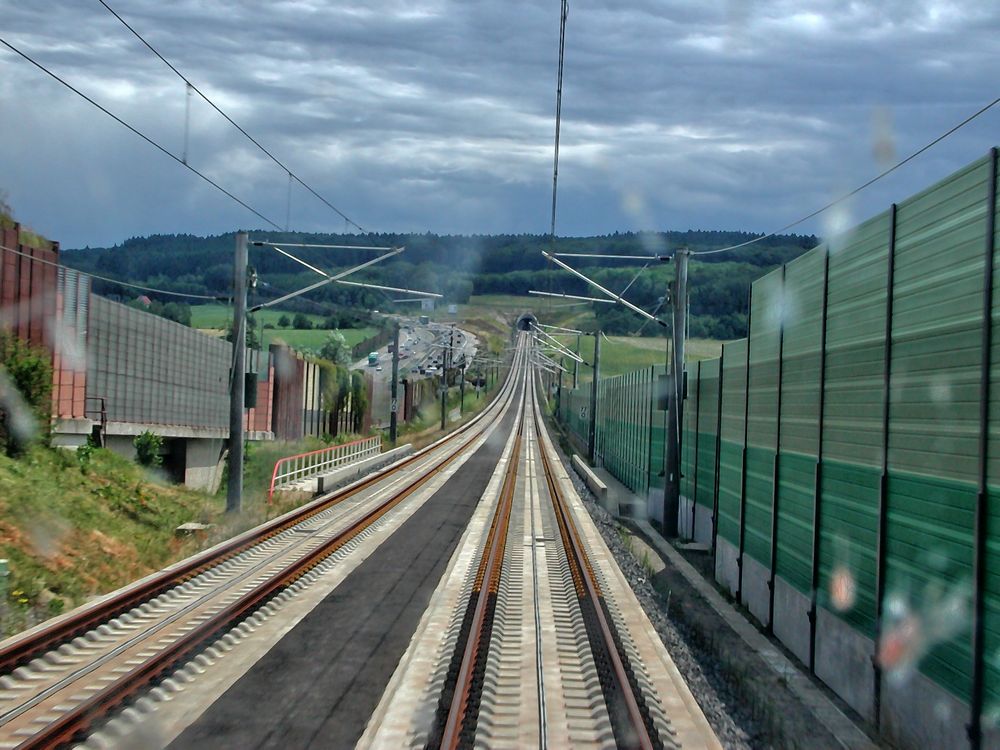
[(114, 281), (563, 13), (139, 133), (858, 189), (213, 105)]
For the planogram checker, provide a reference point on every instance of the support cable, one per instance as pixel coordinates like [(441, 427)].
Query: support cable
[(137, 132), (858, 189), (231, 121)]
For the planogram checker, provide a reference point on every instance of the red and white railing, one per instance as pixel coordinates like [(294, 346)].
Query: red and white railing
[(305, 465)]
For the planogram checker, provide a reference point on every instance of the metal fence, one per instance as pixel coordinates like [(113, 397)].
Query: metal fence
[(291, 469), (154, 371), (843, 461)]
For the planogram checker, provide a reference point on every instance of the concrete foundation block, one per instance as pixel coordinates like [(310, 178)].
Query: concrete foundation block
[(791, 619), (844, 662), (726, 571), (756, 597), (684, 529), (703, 525), (918, 713), (654, 506), (594, 483)]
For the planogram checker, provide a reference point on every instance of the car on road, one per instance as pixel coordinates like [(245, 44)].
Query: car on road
[(432, 370), (378, 369)]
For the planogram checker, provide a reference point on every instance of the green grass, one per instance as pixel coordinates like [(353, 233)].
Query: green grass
[(217, 317), (312, 339), (221, 316), (72, 529), (71, 532), (621, 354)]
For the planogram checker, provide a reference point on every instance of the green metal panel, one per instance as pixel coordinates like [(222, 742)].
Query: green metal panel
[(658, 436), (800, 382), (795, 510), (849, 535), (928, 558), (766, 315), (707, 428), (937, 313), (688, 443), (934, 402), (731, 451), (852, 422), (991, 609)]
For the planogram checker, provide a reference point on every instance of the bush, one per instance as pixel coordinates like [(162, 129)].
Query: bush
[(284, 322), (301, 322), (147, 449), (24, 413)]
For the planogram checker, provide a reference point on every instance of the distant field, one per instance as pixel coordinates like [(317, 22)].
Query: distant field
[(218, 317), (221, 316), (312, 339), (508, 306), (621, 354)]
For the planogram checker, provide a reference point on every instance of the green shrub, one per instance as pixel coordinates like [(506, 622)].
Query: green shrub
[(147, 449), (25, 413)]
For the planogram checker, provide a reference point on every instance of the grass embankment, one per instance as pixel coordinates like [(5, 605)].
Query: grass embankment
[(73, 528)]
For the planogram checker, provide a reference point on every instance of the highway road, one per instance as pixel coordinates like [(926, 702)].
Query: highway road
[(421, 347)]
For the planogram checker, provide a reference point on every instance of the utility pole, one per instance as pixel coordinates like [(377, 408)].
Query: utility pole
[(576, 365), (461, 390), (559, 393), (234, 490), (447, 363), (393, 388), (675, 395), (592, 430)]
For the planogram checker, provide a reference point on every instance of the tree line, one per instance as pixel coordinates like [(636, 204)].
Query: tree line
[(458, 266)]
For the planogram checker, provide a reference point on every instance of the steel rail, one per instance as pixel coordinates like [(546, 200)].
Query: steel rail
[(20, 650), (485, 590), (70, 725), (588, 588)]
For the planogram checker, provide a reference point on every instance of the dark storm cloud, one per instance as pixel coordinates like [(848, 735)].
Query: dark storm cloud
[(438, 115)]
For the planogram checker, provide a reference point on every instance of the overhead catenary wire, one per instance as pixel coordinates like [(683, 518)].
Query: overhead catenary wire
[(563, 13), (139, 133), (858, 189), (231, 121)]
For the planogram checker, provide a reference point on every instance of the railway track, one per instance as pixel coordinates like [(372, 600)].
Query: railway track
[(533, 638), (59, 681)]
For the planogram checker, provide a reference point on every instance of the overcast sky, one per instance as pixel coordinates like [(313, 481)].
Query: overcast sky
[(438, 115)]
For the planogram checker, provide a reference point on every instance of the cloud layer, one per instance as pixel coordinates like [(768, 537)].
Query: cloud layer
[(439, 114)]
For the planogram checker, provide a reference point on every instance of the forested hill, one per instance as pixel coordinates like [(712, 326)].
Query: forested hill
[(457, 266)]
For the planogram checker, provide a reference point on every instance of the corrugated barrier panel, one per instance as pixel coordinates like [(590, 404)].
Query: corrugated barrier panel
[(934, 405), (852, 422), (800, 381), (708, 424), (991, 620), (155, 371), (765, 328), (731, 452), (689, 444)]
